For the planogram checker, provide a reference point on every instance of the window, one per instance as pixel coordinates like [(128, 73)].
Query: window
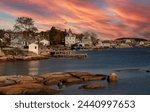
[(35, 47)]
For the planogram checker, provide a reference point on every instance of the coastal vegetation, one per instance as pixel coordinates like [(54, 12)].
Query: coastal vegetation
[(26, 25)]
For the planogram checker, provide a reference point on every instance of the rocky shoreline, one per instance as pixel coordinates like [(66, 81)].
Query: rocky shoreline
[(41, 84), (78, 56), (39, 57), (22, 58)]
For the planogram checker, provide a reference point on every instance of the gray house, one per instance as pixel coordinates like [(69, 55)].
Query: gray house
[(87, 40), (17, 42)]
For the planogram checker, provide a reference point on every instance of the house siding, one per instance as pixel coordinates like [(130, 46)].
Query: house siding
[(34, 48)]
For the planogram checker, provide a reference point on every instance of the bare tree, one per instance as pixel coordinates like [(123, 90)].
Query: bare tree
[(25, 25), (93, 36)]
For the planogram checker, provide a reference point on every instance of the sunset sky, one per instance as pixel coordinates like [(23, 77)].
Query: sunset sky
[(108, 18)]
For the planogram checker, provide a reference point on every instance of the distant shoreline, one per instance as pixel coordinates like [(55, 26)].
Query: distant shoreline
[(10, 58)]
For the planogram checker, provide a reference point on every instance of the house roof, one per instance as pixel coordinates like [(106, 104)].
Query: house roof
[(37, 44), (44, 40)]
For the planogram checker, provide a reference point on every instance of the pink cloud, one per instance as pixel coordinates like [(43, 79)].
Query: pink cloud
[(117, 18)]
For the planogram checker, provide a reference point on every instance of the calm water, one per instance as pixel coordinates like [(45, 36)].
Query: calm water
[(130, 64)]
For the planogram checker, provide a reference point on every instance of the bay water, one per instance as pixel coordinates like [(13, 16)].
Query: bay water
[(132, 65)]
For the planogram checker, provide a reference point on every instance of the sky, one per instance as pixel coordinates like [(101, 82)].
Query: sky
[(110, 19)]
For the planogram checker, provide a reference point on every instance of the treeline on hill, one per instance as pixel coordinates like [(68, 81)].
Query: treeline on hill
[(136, 39)]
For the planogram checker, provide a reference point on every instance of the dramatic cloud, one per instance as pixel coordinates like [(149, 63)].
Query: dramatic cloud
[(109, 18), (134, 14)]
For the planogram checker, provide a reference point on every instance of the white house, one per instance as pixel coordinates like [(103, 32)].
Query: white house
[(128, 41), (141, 43), (106, 44), (124, 45), (37, 48), (34, 48), (99, 44), (87, 41), (45, 42), (70, 39)]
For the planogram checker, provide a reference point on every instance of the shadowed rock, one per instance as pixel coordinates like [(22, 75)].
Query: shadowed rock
[(147, 71), (92, 86), (40, 84), (22, 79), (113, 77), (56, 75), (2, 78), (25, 89), (51, 82), (9, 82), (73, 80), (80, 74), (39, 79), (93, 77)]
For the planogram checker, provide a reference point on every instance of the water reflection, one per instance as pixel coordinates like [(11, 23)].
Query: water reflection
[(33, 67), (13, 68), (3, 68), (104, 61), (130, 64), (20, 68)]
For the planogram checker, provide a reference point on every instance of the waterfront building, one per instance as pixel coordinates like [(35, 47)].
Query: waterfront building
[(87, 41), (124, 45), (147, 43), (45, 42), (37, 48), (34, 48), (70, 38), (20, 41), (99, 44), (141, 43), (131, 42), (127, 41), (78, 45), (106, 44)]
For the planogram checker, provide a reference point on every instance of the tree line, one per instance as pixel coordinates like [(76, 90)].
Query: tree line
[(25, 25)]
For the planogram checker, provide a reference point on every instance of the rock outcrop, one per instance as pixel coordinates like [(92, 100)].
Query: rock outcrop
[(27, 89), (113, 77), (41, 84), (92, 86), (22, 58)]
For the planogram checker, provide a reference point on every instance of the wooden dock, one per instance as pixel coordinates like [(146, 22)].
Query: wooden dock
[(67, 53)]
